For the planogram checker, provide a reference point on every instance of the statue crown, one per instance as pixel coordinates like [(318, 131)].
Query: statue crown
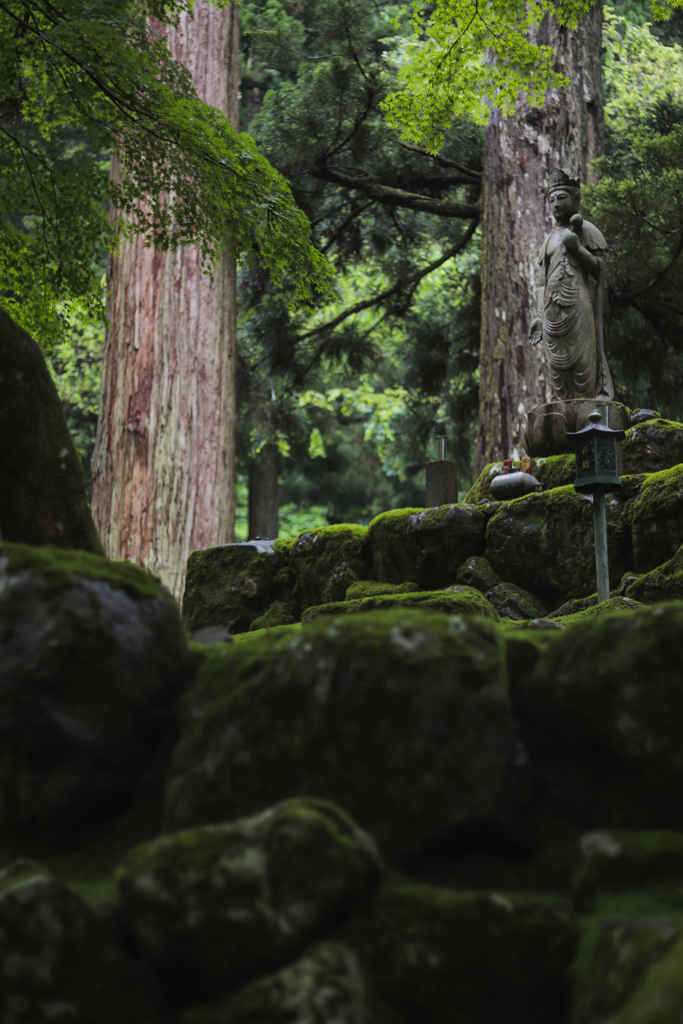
[(559, 177)]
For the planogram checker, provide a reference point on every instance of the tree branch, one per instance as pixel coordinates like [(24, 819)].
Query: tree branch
[(444, 161), (372, 187), (395, 288)]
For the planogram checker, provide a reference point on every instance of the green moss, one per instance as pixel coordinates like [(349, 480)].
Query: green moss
[(458, 600), (232, 585), (513, 602), (657, 519), (376, 695), (652, 446), (326, 561), (613, 604), (618, 861), (60, 568), (477, 572), (665, 583), (553, 471), (371, 588), (440, 956), (545, 544), (271, 631), (276, 614), (425, 546)]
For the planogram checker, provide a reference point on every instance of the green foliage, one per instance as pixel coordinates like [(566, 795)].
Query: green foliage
[(87, 79), (465, 57), (76, 364), (639, 207)]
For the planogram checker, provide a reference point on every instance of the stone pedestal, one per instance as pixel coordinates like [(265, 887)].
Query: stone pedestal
[(442, 483), (547, 425)]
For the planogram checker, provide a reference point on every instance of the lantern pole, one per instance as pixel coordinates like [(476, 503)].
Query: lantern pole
[(600, 531)]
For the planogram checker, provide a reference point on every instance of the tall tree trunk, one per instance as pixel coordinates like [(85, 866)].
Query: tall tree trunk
[(520, 150), (164, 468)]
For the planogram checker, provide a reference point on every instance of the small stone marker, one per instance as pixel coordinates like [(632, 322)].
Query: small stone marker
[(442, 479)]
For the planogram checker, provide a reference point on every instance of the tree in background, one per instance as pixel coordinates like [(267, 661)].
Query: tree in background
[(163, 475)]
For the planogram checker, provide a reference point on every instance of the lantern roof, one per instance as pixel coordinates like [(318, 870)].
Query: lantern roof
[(596, 426)]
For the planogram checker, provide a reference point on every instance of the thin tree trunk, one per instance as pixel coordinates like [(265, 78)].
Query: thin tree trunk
[(264, 493), (164, 468), (520, 150)]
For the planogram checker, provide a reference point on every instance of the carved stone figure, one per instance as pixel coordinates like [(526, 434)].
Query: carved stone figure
[(571, 317)]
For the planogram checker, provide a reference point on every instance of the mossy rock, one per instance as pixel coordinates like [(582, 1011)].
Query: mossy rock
[(235, 584), (444, 957), (621, 953), (552, 471), (326, 986), (580, 611), (271, 631), (652, 446), (415, 701), (665, 583), (43, 494), (92, 658), (279, 613), (457, 600), (477, 572), (326, 561), (544, 543), (512, 602), (657, 519), (57, 960), (371, 588), (425, 545), (617, 861), (659, 997), (212, 906), (601, 714)]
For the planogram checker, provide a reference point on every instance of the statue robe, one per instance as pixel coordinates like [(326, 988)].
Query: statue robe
[(573, 314)]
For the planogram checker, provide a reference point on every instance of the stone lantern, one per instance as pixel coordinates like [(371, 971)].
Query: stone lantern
[(597, 472)]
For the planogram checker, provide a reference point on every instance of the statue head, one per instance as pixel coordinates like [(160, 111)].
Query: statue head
[(564, 193)]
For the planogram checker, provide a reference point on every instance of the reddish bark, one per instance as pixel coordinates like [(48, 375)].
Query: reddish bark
[(520, 150), (163, 473)]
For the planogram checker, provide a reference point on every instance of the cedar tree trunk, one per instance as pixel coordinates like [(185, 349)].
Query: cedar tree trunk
[(264, 493), (520, 150), (164, 469)]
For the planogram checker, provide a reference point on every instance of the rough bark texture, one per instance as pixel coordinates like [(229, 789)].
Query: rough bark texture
[(520, 150), (43, 497), (163, 474)]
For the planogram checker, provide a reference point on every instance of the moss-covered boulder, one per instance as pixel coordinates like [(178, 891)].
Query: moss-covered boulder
[(326, 561), (552, 471), (326, 986), (658, 999), (665, 583), (601, 713), (443, 957), (512, 602), (57, 960), (656, 514), (235, 584), (616, 861), (214, 905), (652, 446), (426, 546), (92, 656), (416, 702), (457, 600), (43, 495), (477, 572), (279, 613), (372, 588), (619, 957), (545, 544)]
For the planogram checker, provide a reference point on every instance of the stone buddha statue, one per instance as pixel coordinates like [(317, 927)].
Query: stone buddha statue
[(571, 319)]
